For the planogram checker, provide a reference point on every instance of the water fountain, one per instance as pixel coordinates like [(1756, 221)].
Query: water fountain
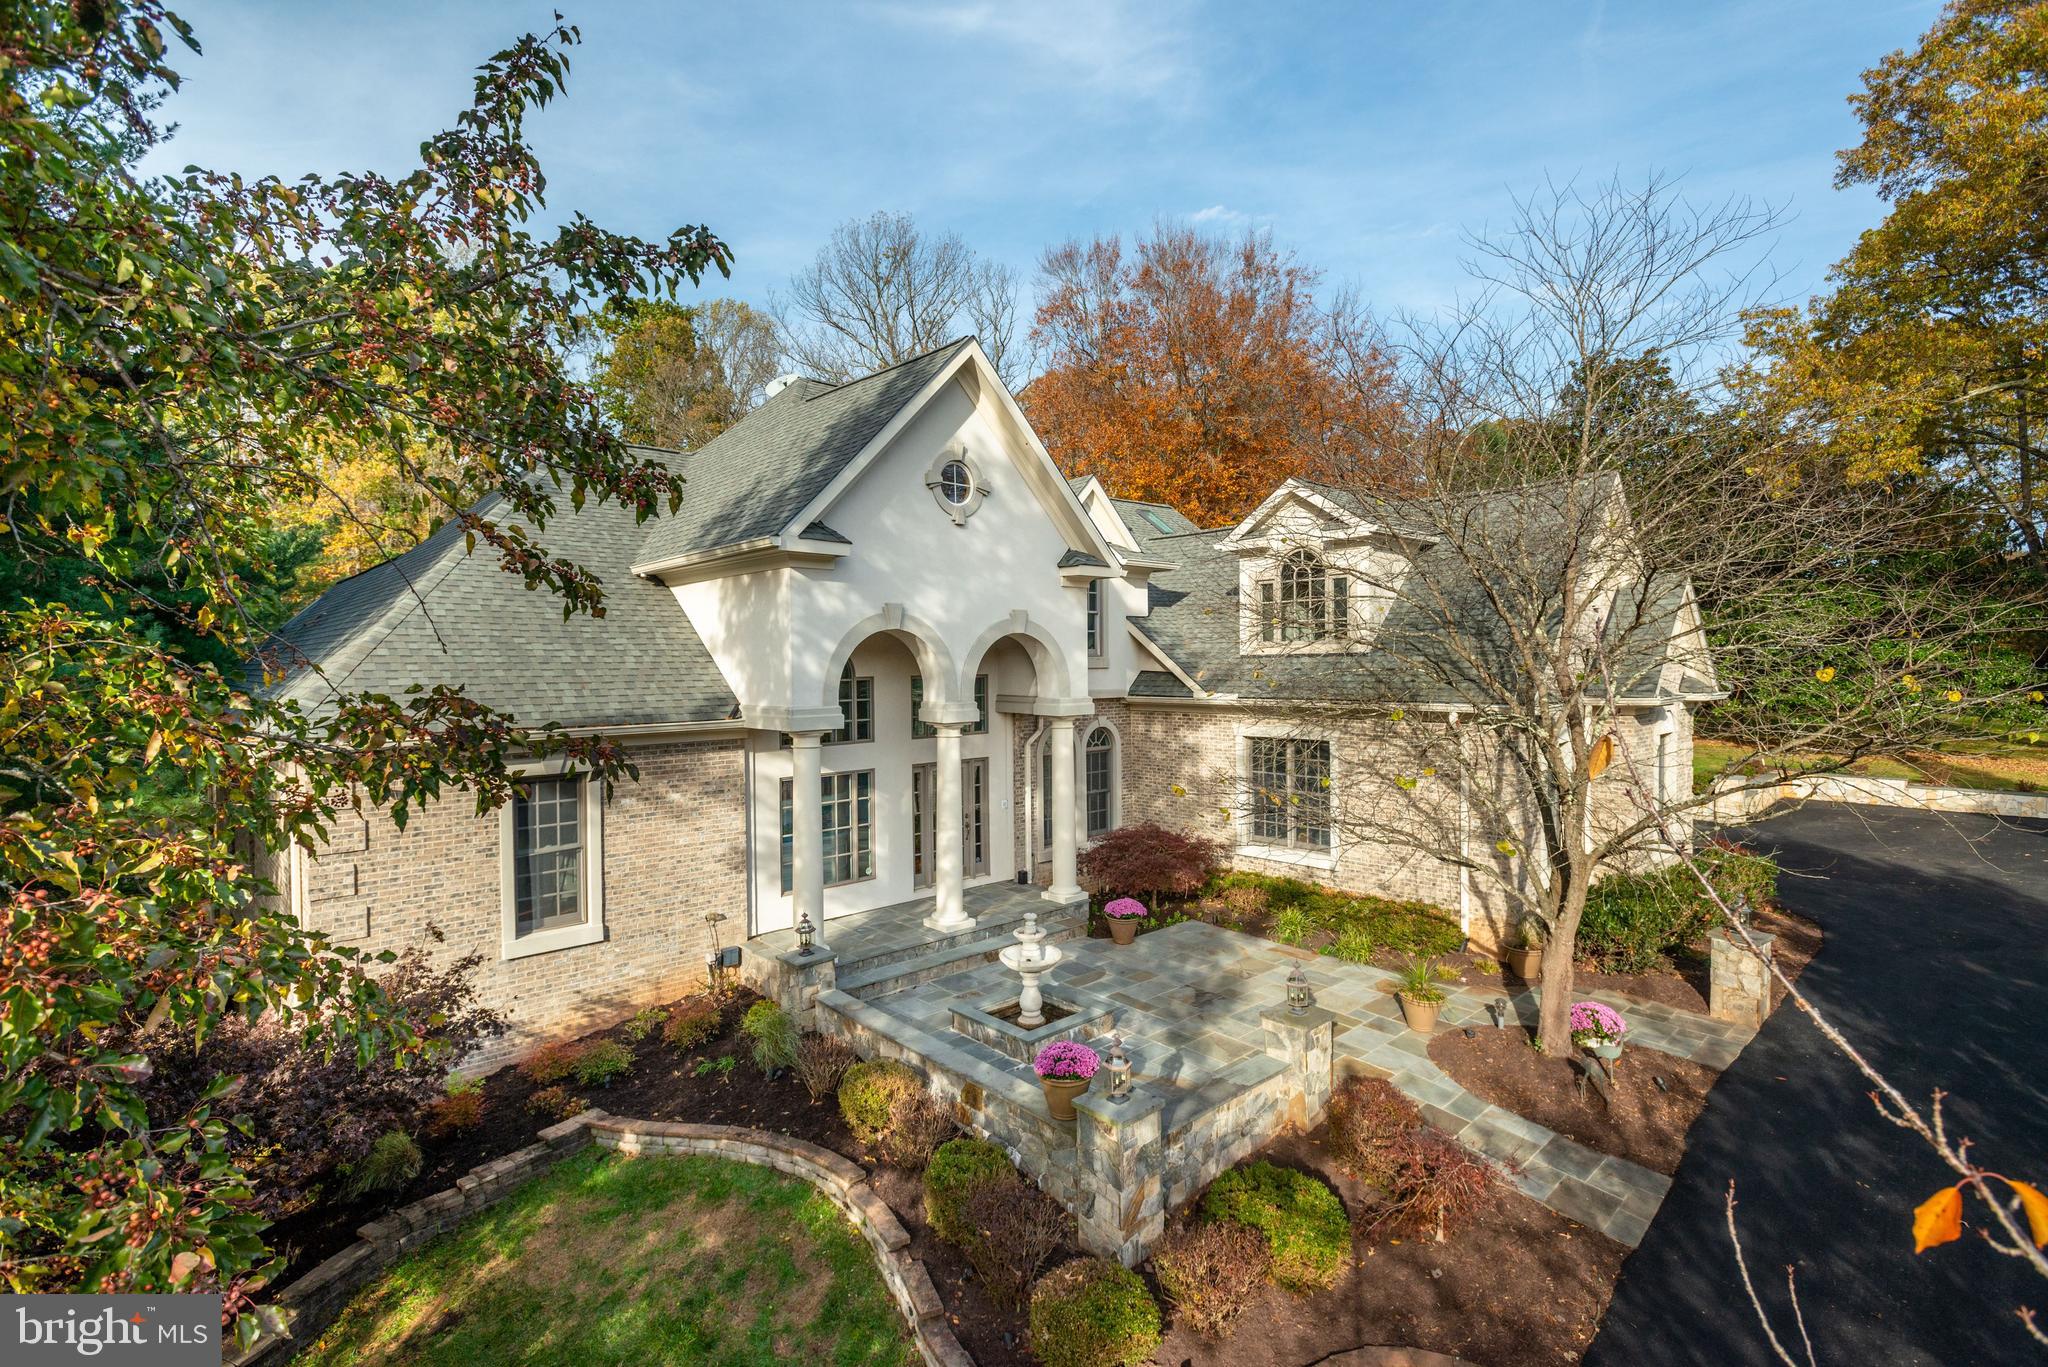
[(1028, 958)]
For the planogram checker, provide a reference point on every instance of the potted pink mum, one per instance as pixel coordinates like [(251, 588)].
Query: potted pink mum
[(1124, 914), (1597, 1029), (1064, 1068)]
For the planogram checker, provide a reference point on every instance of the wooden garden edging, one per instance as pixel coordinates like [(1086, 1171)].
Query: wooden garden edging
[(312, 1302)]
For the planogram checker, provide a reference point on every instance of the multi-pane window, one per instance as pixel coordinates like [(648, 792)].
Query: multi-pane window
[(1095, 632), (1304, 601), (924, 730), (1290, 792), (547, 854), (857, 706), (1098, 770), (846, 814)]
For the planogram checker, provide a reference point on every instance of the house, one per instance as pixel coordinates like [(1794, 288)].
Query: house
[(884, 654)]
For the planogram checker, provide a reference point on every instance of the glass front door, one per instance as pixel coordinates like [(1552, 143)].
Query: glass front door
[(924, 802)]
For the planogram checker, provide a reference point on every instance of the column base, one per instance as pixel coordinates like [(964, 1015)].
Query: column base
[(937, 922), (1072, 893)]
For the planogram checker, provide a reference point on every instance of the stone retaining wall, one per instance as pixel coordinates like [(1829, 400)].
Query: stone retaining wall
[(312, 1302), (1739, 804)]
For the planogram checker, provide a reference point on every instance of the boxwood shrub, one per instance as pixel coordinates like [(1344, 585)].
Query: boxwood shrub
[(1093, 1313), (1303, 1221), (1633, 920), (869, 1092), (958, 1169)]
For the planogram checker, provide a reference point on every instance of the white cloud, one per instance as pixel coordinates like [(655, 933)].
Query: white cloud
[(1218, 213), (1115, 48)]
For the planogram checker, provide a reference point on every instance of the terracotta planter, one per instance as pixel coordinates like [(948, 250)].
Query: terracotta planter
[(1060, 1093), (1421, 1016), (1123, 929), (1525, 965)]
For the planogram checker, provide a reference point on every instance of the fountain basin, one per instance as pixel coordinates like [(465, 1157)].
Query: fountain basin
[(993, 1021)]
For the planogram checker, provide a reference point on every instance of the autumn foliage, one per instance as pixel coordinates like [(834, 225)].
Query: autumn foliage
[(1200, 373)]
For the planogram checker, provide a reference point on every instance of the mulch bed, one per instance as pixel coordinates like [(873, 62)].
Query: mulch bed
[(1520, 1284), (667, 1084), (1644, 1123)]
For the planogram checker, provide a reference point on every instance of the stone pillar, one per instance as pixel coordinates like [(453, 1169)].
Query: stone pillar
[(950, 913), (1065, 820), (806, 830), (1739, 983), (1121, 1147), (1305, 1043)]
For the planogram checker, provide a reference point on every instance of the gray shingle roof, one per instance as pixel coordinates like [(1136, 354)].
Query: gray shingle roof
[(439, 615), (753, 478), (1414, 657)]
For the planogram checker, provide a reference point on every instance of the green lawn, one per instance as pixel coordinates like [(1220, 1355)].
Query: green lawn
[(1994, 766), (634, 1261)]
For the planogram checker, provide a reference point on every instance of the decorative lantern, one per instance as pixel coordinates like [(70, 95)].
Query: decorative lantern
[(1119, 1065), (805, 932), (1299, 997)]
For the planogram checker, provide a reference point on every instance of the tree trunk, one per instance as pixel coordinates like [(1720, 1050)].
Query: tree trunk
[(1554, 1021)]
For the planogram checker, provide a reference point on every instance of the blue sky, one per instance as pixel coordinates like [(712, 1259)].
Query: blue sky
[(1365, 136)]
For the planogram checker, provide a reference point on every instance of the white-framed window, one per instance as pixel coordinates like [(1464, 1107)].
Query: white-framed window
[(1665, 786), (1097, 637), (1098, 787), (1303, 601), (924, 730), (1287, 782), (846, 815), (551, 862), (956, 484)]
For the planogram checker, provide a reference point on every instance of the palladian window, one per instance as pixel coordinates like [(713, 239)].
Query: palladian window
[(1304, 601)]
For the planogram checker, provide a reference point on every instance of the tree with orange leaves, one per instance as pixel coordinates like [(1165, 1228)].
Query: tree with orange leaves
[(1200, 372)]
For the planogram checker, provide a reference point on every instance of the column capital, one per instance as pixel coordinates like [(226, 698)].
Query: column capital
[(806, 740)]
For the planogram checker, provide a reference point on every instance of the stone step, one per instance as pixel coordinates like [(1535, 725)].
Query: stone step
[(878, 980), (915, 945)]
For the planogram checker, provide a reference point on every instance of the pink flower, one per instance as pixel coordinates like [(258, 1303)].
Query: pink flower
[(1065, 1058), (1124, 907), (1594, 1021)]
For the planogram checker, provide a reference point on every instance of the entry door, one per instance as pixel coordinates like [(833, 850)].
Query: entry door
[(924, 803)]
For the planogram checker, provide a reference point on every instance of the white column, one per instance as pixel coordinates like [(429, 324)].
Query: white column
[(806, 830), (948, 882), (1065, 819)]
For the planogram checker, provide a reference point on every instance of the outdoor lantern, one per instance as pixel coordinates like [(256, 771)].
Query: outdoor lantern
[(1119, 1065), (805, 931), (1299, 998), (1498, 1009), (1742, 910)]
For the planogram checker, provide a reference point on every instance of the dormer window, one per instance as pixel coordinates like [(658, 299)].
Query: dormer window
[(1303, 601)]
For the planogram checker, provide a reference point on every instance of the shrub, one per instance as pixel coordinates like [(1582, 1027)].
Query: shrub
[(554, 1103), (1245, 903), (1149, 861), (456, 1111), (1209, 1273), (393, 1160), (1093, 1313), (1633, 920), (1354, 944), (691, 1024), (773, 1035), (821, 1060), (917, 1126), (1303, 1222), (1292, 926), (958, 1169), (1368, 1120), (1015, 1228), (551, 1062), (310, 1112), (1437, 1185), (599, 1063), (869, 1092), (643, 1024)]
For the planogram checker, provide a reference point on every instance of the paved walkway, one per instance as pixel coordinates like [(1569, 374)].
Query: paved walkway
[(1936, 964)]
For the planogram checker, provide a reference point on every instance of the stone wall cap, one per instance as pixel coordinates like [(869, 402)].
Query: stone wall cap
[(1281, 1014)]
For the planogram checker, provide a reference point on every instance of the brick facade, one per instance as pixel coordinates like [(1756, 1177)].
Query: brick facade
[(674, 852)]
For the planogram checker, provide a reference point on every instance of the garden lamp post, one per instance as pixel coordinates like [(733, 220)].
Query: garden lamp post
[(1119, 1065), (805, 933), (1299, 997)]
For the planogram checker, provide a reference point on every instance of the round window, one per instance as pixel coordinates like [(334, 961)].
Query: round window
[(955, 483)]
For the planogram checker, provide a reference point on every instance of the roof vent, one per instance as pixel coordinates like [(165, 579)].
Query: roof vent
[(780, 383)]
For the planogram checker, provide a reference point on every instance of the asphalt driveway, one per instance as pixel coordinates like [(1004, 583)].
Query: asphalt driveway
[(1936, 965)]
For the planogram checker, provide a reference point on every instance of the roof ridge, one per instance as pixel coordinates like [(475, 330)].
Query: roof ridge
[(845, 385)]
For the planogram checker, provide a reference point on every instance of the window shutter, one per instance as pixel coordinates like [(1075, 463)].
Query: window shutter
[(1340, 607)]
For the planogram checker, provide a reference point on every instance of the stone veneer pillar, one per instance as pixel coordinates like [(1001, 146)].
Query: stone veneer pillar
[(1305, 1044), (1121, 1146), (1739, 983)]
